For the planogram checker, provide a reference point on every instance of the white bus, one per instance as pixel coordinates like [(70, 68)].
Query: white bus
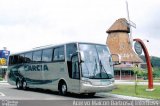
[(83, 68)]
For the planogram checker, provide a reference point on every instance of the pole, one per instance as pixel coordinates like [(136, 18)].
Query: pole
[(149, 66)]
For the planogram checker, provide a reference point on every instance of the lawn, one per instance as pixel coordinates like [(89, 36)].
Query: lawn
[(129, 90), (1, 79)]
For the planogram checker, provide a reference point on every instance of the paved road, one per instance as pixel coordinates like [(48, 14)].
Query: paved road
[(37, 97), (10, 92)]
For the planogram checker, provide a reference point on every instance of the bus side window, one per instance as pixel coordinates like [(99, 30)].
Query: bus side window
[(47, 55), (58, 54), (37, 56), (11, 60), (70, 49), (55, 55), (75, 67), (28, 57), (21, 58), (16, 59)]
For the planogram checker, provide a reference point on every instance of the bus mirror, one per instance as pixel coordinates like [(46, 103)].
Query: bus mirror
[(82, 58), (81, 55), (116, 59)]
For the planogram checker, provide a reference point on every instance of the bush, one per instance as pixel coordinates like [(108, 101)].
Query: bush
[(141, 73)]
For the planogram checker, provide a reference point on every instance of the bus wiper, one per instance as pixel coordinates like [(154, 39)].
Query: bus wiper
[(101, 66), (86, 68), (95, 68)]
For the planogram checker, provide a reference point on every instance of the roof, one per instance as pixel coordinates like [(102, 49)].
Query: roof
[(121, 25), (118, 42)]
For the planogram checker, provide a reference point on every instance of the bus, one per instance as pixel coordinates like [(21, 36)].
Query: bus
[(76, 67)]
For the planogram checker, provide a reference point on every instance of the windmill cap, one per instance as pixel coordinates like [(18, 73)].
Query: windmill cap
[(120, 25)]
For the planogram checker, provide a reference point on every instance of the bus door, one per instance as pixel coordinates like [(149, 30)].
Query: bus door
[(75, 82)]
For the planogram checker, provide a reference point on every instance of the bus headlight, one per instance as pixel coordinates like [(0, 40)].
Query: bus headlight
[(112, 81), (86, 82)]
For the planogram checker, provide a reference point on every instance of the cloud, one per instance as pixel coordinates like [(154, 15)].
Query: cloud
[(25, 24)]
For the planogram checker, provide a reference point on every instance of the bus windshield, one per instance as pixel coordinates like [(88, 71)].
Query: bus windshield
[(97, 62)]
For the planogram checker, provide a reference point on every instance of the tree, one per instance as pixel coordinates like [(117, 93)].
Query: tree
[(138, 72), (154, 60), (156, 72)]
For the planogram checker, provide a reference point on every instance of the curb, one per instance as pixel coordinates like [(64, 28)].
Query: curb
[(123, 97), (133, 83), (128, 97), (3, 81)]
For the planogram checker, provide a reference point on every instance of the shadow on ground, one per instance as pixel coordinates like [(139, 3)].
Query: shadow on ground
[(78, 96)]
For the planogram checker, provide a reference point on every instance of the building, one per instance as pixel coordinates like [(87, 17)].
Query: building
[(4, 55), (119, 42)]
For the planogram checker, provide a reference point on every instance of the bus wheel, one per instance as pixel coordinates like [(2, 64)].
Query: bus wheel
[(63, 89), (91, 94), (19, 84), (24, 85)]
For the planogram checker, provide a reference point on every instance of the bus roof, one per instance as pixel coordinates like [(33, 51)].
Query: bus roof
[(53, 45)]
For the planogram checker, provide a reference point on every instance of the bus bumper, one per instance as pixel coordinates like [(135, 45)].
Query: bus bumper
[(87, 88)]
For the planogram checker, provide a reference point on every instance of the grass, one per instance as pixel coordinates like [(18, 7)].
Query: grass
[(129, 90), (1, 78)]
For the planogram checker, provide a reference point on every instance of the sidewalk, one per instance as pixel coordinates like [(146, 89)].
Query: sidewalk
[(128, 82), (123, 97)]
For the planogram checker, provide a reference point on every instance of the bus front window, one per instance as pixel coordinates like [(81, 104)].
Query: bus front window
[(97, 62)]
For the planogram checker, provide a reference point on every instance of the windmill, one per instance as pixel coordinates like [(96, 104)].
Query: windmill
[(129, 25)]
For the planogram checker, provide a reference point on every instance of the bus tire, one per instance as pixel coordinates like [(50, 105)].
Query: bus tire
[(63, 88), (18, 84), (24, 84)]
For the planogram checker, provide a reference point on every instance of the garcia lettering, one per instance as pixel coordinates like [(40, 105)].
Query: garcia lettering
[(36, 68)]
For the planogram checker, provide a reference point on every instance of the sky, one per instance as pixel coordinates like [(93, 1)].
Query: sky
[(26, 24)]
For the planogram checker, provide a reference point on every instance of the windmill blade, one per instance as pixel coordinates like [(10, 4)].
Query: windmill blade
[(130, 40), (132, 24), (128, 17)]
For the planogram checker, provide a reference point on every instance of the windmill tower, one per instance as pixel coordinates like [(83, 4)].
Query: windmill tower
[(119, 42)]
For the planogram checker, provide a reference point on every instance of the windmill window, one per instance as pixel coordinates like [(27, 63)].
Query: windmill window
[(122, 46)]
